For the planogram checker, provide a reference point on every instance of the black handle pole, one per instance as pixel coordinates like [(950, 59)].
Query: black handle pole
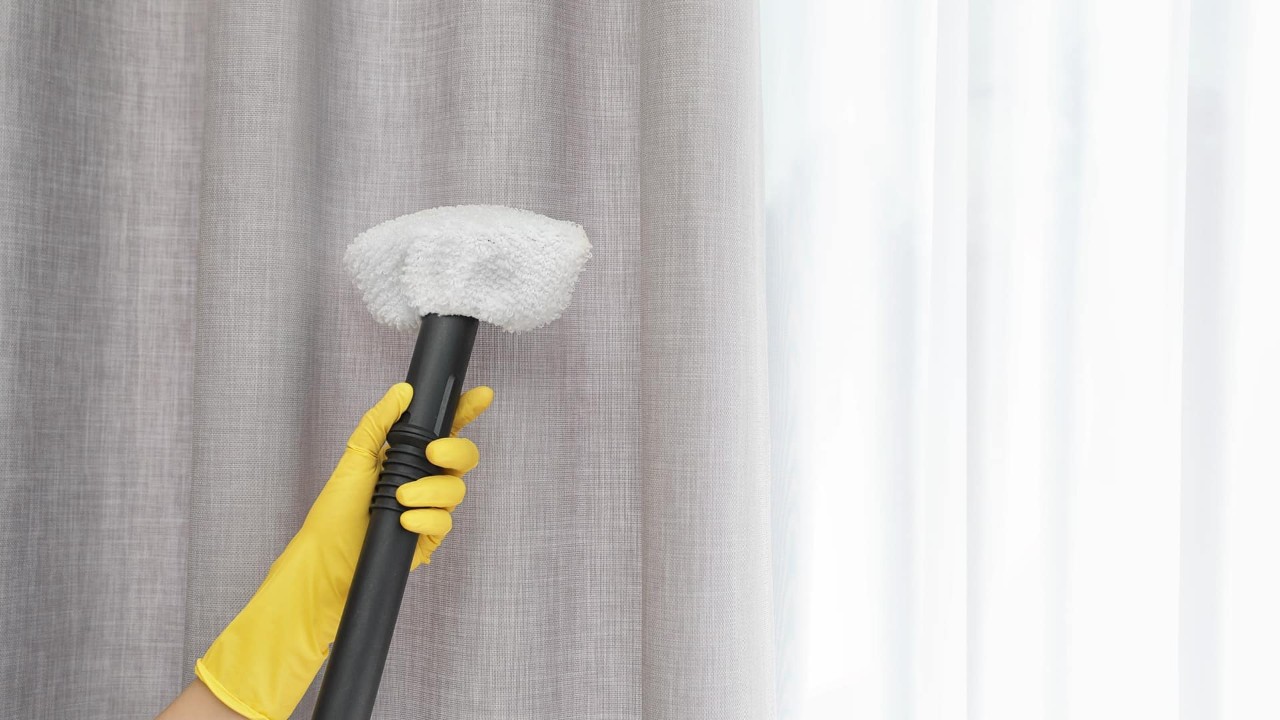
[(359, 654)]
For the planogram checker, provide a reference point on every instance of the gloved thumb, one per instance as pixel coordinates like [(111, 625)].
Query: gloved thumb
[(364, 447)]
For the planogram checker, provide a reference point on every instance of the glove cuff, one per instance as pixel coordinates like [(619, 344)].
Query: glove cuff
[(225, 695), (264, 661)]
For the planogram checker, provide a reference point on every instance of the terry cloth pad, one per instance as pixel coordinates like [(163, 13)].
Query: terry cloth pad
[(513, 268)]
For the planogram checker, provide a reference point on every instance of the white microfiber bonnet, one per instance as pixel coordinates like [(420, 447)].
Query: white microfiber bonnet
[(513, 268)]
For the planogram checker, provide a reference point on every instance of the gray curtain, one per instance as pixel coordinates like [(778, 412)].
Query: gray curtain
[(182, 357)]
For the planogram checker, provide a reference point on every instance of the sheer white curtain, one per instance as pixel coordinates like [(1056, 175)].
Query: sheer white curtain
[(1024, 301)]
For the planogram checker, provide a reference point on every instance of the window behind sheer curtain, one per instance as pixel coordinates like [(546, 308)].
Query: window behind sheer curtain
[(1024, 290)]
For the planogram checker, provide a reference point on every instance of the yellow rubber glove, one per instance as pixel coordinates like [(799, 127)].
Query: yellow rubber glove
[(264, 661)]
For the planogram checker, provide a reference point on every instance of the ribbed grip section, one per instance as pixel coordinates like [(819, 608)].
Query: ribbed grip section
[(406, 461)]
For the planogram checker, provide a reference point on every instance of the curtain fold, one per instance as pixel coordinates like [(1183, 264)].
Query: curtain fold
[(183, 357), (99, 181)]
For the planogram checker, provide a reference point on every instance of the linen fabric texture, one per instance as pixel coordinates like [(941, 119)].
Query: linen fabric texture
[(180, 180)]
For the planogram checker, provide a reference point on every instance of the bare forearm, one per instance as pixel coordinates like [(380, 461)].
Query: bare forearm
[(196, 702)]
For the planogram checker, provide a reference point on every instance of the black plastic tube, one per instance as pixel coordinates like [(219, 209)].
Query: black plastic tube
[(359, 654)]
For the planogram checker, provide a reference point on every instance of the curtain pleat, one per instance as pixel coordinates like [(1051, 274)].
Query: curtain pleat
[(100, 111), (183, 357)]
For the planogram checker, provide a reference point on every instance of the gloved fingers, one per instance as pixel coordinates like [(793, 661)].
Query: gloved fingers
[(371, 433), (470, 405), (456, 456), (427, 544), (437, 491), (430, 521)]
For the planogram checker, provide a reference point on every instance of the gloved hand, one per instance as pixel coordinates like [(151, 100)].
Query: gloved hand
[(264, 661)]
